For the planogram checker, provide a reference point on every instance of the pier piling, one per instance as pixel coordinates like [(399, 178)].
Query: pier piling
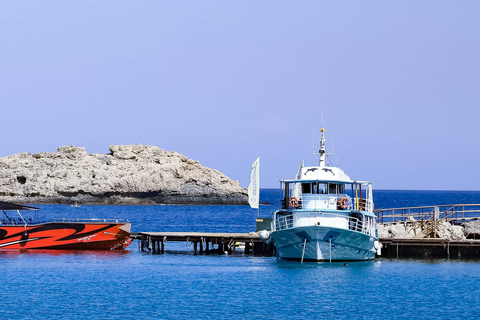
[(430, 247), (154, 242)]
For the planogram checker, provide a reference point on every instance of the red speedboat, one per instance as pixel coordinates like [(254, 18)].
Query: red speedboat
[(63, 234)]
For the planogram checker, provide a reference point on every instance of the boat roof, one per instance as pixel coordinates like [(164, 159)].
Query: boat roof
[(12, 206), (325, 181), (323, 174)]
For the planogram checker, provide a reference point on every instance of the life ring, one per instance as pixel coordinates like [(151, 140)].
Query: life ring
[(293, 202), (344, 203)]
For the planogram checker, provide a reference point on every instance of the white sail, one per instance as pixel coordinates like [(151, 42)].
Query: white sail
[(297, 192), (254, 186), (299, 172)]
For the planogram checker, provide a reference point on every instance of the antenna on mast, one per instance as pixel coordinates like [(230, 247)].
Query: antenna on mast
[(313, 142), (332, 151), (332, 142), (323, 152)]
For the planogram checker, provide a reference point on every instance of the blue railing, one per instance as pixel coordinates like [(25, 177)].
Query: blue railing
[(453, 213), (287, 221), (340, 202), (30, 221)]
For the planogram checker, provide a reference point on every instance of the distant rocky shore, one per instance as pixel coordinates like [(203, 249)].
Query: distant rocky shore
[(129, 174)]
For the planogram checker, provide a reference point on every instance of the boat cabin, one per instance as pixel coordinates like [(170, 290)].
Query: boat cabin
[(326, 188), (337, 204)]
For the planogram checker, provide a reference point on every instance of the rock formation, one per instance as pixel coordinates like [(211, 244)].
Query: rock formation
[(472, 229), (440, 229), (129, 174)]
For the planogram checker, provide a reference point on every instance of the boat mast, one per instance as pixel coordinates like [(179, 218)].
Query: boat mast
[(322, 151)]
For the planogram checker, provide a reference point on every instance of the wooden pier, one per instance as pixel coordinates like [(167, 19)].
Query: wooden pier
[(427, 242), (221, 243), (430, 248), (205, 242)]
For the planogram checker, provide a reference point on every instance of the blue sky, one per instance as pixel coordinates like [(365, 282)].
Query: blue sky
[(398, 84)]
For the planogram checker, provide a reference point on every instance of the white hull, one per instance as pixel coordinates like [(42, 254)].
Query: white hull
[(324, 244)]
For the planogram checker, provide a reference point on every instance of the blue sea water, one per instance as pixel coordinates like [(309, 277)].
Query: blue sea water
[(180, 285)]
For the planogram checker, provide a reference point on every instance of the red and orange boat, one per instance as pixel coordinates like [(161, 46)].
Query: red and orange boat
[(60, 234)]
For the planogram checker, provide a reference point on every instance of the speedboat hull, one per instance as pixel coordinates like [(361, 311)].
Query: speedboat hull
[(318, 243), (66, 236)]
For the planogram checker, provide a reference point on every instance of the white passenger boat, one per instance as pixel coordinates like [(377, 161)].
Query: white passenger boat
[(325, 216)]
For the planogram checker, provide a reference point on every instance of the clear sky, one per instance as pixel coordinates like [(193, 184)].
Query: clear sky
[(222, 82)]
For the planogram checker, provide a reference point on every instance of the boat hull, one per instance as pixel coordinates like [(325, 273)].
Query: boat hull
[(324, 244), (66, 236)]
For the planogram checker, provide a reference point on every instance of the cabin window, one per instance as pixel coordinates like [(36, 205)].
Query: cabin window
[(322, 188), (306, 188), (334, 188), (315, 188)]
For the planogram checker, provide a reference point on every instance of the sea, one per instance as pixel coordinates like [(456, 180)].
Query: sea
[(132, 284)]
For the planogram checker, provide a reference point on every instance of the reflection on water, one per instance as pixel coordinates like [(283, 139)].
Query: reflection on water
[(180, 285)]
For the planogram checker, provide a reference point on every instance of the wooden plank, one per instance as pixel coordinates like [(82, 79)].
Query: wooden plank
[(431, 242), (197, 236), (223, 240), (201, 234)]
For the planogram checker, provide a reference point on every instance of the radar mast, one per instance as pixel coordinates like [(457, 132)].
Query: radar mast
[(322, 152)]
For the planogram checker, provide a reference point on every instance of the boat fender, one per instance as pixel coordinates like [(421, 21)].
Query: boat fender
[(25, 235), (264, 234), (378, 247), (293, 202), (344, 203)]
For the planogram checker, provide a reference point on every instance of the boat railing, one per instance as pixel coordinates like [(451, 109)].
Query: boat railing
[(288, 221), (31, 221), (302, 203), (454, 213)]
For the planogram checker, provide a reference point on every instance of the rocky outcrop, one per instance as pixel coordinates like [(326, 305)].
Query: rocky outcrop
[(472, 229), (133, 174), (411, 228)]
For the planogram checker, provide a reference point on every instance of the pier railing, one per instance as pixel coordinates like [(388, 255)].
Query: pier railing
[(454, 213)]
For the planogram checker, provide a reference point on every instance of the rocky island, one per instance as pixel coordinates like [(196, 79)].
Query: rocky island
[(129, 174)]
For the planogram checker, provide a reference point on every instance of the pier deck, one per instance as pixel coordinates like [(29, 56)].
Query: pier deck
[(154, 242), (220, 243), (430, 247)]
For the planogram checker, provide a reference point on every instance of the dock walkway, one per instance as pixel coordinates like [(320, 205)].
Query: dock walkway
[(220, 243), (430, 247), (154, 242), (427, 218)]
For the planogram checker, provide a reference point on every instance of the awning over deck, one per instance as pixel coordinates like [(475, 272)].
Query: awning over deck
[(12, 206)]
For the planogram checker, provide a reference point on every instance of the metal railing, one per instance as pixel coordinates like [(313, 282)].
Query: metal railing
[(288, 221), (352, 204), (30, 221), (455, 213)]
